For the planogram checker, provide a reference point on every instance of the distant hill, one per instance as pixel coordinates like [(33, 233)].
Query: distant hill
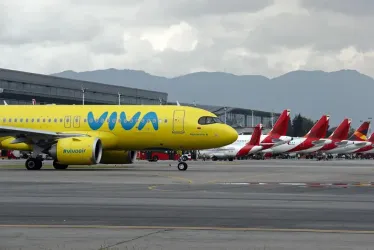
[(344, 93)]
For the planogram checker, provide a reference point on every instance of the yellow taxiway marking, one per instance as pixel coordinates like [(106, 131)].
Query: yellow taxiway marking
[(177, 178), (237, 179), (197, 228), (154, 187)]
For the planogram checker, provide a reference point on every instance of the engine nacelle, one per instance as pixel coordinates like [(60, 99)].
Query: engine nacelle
[(77, 151), (118, 157)]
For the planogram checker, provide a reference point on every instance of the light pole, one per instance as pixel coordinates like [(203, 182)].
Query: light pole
[(252, 118), (83, 91), (225, 115), (119, 98)]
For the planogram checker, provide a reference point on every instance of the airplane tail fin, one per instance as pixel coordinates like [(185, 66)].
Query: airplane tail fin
[(256, 135), (341, 132), (319, 129), (361, 133), (281, 125), (371, 139)]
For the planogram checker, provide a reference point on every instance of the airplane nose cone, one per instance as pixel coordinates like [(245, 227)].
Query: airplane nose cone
[(231, 135)]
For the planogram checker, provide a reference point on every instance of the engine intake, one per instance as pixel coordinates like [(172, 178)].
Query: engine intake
[(77, 151), (118, 157)]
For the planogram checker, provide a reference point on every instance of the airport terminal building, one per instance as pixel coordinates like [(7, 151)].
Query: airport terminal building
[(17, 87)]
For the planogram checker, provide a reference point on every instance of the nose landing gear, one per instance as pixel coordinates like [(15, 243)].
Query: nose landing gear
[(182, 166)]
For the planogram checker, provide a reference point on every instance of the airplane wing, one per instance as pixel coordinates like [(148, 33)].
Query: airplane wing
[(26, 135)]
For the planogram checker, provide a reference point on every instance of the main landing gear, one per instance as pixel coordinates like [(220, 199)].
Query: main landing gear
[(34, 163), (59, 166), (37, 163)]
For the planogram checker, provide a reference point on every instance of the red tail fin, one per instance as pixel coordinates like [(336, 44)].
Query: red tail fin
[(361, 133), (341, 132), (371, 139), (281, 126), (319, 129), (256, 136)]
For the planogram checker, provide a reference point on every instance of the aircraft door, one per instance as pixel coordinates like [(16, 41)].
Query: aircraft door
[(67, 121), (76, 122), (178, 121)]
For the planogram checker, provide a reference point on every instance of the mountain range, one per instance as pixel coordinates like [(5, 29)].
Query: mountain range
[(344, 93)]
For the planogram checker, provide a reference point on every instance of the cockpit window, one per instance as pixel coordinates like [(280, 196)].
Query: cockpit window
[(205, 120)]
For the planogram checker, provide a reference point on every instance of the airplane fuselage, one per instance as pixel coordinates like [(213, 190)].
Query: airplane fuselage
[(128, 127)]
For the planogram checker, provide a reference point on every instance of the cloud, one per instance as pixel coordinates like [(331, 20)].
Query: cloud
[(174, 37), (348, 7)]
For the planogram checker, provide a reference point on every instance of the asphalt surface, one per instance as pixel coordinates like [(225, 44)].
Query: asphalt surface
[(211, 205)]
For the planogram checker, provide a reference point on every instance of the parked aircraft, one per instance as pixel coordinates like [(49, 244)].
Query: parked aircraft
[(107, 134), (356, 141), (276, 136), (311, 139), (239, 148), (369, 149), (337, 137)]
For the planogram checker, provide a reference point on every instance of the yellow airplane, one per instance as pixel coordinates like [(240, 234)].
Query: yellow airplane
[(107, 134)]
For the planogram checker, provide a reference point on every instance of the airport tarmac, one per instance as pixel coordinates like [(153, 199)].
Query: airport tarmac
[(271, 204)]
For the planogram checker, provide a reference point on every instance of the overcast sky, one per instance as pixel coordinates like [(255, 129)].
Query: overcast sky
[(174, 37)]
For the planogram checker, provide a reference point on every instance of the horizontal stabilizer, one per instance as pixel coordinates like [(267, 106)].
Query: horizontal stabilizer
[(275, 140), (361, 144), (341, 143), (320, 142)]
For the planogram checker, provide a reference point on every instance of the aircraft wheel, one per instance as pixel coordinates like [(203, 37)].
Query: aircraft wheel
[(59, 166), (33, 164), (182, 166), (231, 159)]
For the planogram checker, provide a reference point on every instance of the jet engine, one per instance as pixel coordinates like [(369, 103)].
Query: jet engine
[(77, 151), (118, 157)]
